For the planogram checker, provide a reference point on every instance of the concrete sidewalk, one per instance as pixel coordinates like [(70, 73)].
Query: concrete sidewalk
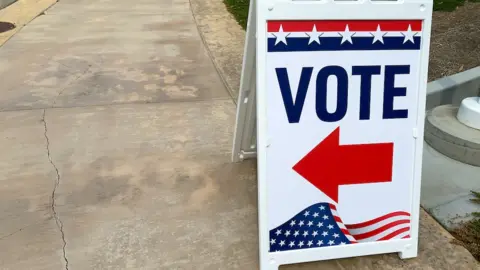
[(116, 142)]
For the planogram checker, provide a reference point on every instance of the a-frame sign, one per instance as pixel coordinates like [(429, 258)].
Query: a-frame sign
[(332, 104)]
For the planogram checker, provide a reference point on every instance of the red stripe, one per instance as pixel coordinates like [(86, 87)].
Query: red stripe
[(332, 206), (344, 231), (339, 25), (405, 237), (373, 221), (380, 230), (393, 234), (337, 219)]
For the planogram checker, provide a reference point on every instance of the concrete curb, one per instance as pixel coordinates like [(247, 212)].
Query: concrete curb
[(223, 38), (450, 137), (21, 13)]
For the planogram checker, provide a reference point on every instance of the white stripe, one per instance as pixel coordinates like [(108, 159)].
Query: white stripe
[(400, 236), (384, 233), (378, 224), (335, 214), (337, 34), (349, 237)]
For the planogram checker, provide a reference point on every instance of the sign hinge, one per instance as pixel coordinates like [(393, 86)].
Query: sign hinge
[(415, 133), (247, 155)]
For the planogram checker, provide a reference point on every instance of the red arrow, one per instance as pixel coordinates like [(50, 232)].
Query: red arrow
[(330, 164)]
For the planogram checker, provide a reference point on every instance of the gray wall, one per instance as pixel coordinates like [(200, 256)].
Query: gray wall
[(4, 3), (453, 89)]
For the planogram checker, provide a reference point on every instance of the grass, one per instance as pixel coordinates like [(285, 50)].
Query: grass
[(239, 8), (449, 5), (469, 233)]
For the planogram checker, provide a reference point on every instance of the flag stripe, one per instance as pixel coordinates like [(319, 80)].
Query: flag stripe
[(341, 225), (340, 25), (379, 230), (393, 234), (373, 221), (378, 224), (383, 233)]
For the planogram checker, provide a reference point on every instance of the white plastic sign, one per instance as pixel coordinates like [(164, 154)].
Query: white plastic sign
[(340, 110)]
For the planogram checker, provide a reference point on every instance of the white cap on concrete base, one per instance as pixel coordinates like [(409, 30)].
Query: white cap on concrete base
[(469, 112)]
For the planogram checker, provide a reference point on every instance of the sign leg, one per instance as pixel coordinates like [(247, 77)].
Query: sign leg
[(269, 265), (245, 122), (411, 251)]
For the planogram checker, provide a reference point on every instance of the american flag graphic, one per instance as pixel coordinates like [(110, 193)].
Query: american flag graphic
[(320, 225), (341, 35)]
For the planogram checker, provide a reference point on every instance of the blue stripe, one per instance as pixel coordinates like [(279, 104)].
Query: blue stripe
[(333, 44)]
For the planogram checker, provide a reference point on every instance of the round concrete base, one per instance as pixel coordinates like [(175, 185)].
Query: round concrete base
[(450, 137)]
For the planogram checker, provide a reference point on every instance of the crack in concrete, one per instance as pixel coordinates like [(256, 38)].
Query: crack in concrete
[(17, 231), (57, 182), (70, 83), (433, 208)]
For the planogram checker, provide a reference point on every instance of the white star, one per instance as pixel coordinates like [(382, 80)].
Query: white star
[(330, 226), (346, 36), (281, 36), (310, 243), (315, 214), (305, 234), (292, 223), (300, 244), (378, 35), (278, 232), (282, 243), (325, 217), (322, 207), (315, 233), (320, 224), (331, 242), (409, 35), (301, 223), (307, 213), (292, 243), (314, 35), (319, 243), (296, 233), (336, 235), (325, 233), (287, 233), (342, 243), (310, 223), (272, 241)]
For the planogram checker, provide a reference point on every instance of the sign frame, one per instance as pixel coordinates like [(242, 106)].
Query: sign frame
[(260, 12)]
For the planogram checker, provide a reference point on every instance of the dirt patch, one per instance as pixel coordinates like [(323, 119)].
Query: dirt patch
[(468, 234), (455, 44)]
